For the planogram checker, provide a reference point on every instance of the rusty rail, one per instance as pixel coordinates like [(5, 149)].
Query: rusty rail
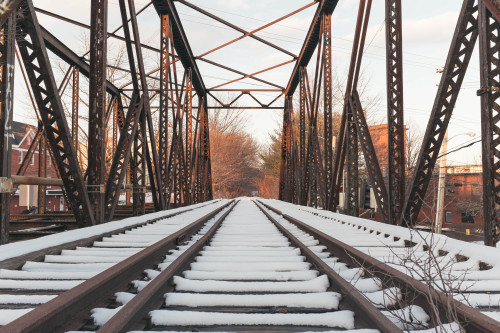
[(71, 308), (471, 320), (132, 315), (367, 313)]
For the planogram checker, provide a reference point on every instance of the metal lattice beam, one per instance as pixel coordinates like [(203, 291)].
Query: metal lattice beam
[(395, 114), (457, 62), (39, 71), (489, 50)]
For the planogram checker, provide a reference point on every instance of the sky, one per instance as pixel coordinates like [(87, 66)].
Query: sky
[(428, 26)]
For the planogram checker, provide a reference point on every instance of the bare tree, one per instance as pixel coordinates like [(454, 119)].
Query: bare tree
[(235, 158)]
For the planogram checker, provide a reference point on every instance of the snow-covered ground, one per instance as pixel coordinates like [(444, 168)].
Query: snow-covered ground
[(250, 265)]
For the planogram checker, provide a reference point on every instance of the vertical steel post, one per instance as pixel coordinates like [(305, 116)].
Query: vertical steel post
[(163, 118), (351, 192), (151, 154), (74, 109), (371, 161), (115, 123), (327, 108), (395, 114), (97, 106), (302, 141), (42, 172), (489, 50), (205, 152), (284, 189), (188, 113), (7, 56), (139, 168)]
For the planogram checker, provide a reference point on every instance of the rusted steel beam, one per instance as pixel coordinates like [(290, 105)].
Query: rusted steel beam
[(235, 27), (6, 9), (138, 168), (97, 106), (42, 173), (38, 68), (85, 26), (304, 180), (7, 58), (489, 46), (121, 157), (151, 152), (181, 43), (286, 145), (240, 73), (31, 151), (74, 106), (372, 165), (251, 33), (71, 58), (493, 7), (204, 157), (164, 107), (327, 105), (311, 41), (246, 76), (453, 75), (348, 133), (351, 188), (251, 89), (188, 169), (395, 114)]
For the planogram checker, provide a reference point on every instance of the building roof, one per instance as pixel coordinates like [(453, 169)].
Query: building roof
[(19, 131)]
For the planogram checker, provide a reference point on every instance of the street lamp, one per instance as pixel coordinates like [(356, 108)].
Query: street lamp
[(442, 180)]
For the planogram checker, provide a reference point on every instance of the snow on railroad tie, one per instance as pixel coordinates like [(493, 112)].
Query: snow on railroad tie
[(38, 282), (340, 319), (470, 272), (249, 266)]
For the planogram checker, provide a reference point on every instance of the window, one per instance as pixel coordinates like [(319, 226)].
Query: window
[(467, 217), (20, 157), (447, 216)]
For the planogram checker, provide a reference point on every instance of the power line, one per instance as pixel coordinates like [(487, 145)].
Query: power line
[(460, 148)]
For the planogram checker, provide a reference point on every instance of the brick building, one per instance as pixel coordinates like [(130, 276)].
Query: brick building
[(26, 196), (463, 199)]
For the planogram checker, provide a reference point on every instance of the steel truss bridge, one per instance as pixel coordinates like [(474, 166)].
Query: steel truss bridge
[(179, 168)]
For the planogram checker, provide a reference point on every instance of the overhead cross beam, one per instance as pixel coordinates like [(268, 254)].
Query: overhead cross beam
[(310, 43), (181, 43)]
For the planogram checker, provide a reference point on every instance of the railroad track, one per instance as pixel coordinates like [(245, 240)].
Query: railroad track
[(246, 267)]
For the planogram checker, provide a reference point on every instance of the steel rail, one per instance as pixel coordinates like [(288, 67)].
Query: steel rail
[(132, 315), (67, 310), (18, 262), (367, 313), (471, 319)]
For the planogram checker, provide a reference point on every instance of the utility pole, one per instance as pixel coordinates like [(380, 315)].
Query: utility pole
[(438, 224)]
